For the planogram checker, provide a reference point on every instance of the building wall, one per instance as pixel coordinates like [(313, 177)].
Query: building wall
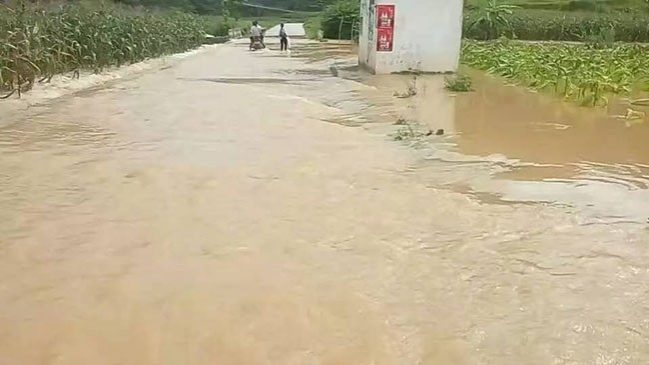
[(367, 36), (427, 36), (363, 35)]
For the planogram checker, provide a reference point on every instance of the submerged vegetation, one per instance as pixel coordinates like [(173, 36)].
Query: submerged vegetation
[(37, 43), (459, 83), (583, 56), (577, 72)]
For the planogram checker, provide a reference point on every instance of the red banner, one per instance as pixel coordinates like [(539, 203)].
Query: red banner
[(384, 41), (385, 16), (385, 28)]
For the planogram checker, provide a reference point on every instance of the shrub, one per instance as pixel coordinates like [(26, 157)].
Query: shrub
[(216, 26), (340, 19)]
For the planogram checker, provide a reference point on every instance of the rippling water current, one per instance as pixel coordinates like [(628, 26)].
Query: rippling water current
[(238, 208)]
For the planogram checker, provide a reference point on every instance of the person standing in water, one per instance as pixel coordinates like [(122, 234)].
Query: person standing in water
[(262, 33), (283, 38), (255, 34)]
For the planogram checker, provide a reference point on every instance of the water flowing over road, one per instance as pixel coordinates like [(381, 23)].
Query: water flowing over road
[(255, 208)]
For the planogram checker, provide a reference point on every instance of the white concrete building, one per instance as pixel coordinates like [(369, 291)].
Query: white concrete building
[(410, 35)]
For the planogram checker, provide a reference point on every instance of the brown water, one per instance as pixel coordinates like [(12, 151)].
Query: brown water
[(222, 211)]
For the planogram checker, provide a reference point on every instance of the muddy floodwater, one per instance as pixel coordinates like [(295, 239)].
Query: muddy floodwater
[(265, 208)]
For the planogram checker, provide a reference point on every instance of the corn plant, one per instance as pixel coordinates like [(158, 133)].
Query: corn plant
[(37, 43), (549, 25), (579, 73), (492, 19)]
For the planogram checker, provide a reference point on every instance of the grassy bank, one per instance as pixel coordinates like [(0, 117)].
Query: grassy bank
[(577, 72), (37, 43)]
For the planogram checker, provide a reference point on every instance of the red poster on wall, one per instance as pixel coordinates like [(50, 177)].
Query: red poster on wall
[(385, 28), (385, 16), (384, 40)]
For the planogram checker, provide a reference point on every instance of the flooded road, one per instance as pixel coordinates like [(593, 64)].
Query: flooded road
[(241, 208)]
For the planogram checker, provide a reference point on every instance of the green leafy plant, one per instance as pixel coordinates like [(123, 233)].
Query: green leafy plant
[(37, 43), (579, 73), (459, 83), (341, 19), (525, 24), (493, 19)]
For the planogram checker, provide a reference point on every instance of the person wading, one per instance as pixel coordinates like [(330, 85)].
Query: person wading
[(283, 38), (256, 35)]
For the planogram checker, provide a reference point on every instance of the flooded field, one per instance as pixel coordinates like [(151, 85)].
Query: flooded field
[(534, 147), (264, 208)]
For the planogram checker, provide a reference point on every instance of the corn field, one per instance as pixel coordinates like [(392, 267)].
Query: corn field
[(549, 25), (579, 73), (37, 43)]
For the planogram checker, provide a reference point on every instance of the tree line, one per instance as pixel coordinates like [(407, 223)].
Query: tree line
[(218, 7)]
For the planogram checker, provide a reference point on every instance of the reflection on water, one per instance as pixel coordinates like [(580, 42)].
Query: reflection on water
[(167, 221)]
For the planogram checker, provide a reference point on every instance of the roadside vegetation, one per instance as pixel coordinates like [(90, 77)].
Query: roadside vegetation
[(497, 20), (583, 50), (539, 20), (40, 41), (341, 20), (459, 83), (578, 73), (585, 57), (37, 43), (569, 5)]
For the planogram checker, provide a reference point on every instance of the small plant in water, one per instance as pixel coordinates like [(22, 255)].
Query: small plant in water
[(410, 92), (459, 83), (407, 133)]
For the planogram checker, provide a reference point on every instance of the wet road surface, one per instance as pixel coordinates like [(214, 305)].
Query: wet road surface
[(254, 208)]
